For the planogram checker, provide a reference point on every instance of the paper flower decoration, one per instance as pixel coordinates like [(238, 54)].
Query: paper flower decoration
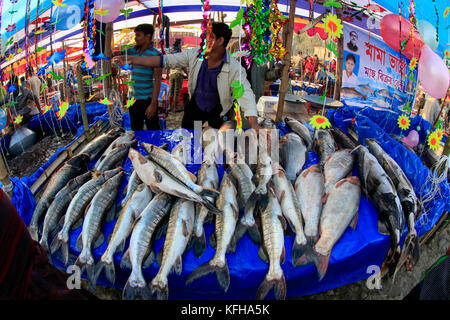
[(106, 101), (126, 12), (102, 12), (332, 47), (40, 31), (332, 3), (101, 56), (333, 26), (238, 90), (91, 97), (59, 3), (439, 134), (403, 122), (47, 108), (63, 109), (129, 83), (237, 111), (240, 54), (433, 141), (319, 122), (126, 67), (126, 46), (130, 102), (10, 41), (55, 76), (12, 88), (413, 63), (8, 58), (11, 27), (126, 31), (447, 53), (18, 119), (56, 58), (446, 12)]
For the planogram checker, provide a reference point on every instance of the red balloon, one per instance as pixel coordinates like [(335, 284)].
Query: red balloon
[(390, 31)]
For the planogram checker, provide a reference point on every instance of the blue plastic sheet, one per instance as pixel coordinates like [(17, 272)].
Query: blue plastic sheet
[(350, 259), (22, 199)]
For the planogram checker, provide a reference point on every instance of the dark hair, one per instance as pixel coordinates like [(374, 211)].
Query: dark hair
[(177, 42), (222, 30), (146, 29), (350, 57)]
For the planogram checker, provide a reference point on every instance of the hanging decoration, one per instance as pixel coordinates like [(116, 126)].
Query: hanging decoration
[(91, 97), (333, 26), (130, 102), (106, 101), (237, 111), (59, 3), (63, 109), (278, 20), (320, 122), (89, 31), (161, 24), (47, 108), (206, 31), (446, 12), (18, 119), (413, 63), (403, 122), (433, 141)]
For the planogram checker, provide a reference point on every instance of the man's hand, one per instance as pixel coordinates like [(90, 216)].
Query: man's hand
[(253, 123), (122, 60), (151, 110)]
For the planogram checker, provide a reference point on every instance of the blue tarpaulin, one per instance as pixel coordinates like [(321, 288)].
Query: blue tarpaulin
[(351, 257)]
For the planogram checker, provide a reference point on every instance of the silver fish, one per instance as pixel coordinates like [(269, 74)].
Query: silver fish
[(77, 208), (337, 167), (340, 211), (160, 181), (293, 155), (59, 206), (300, 129), (101, 206), (284, 191), (176, 168), (114, 158), (135, 205), (309, 189), (348, 92), (179, 230), (379, 188), (100, 143), (182, 151), (133, 183), (126, 138), (207, 177), (224, 236), (272, 251), (410, 251), (342, 139), (324, 145), (71, 168), (139, 254), (366, 89)]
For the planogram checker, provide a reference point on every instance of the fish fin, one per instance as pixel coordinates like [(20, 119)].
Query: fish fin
[(251, 202), (382, 227), (125, 263), (391, 261), (298, 250), (99, 241), (354, 221), (149, 260), (159, 257), (109, 271), (198, 244), (283, 255), (111, 214), (165, 146), (161, 230), (178, 268), (212, 240), (279, 286), (222, 274), (121, 246), (191, 175), (321, 263), (79, 244), (131, 293), (239, 231), (254, 233), (185, 229), (211, 208), (283, 222), (61, 221), (262, 254), (78, 223), (209, 192), (232, 245), (281, 196), (158, 176)]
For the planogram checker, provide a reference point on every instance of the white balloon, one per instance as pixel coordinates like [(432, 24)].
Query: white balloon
[(428, 33)]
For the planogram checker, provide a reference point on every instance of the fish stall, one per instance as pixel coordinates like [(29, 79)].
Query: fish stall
[(137, 253)]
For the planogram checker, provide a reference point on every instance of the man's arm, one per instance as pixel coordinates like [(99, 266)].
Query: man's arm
[(152, 109), (173, 61)]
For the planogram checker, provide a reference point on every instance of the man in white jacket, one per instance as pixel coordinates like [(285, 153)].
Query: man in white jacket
[(210, 91)]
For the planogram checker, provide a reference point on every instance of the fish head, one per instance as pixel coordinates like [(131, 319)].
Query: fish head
[(136, 158), (111, 173), (80, 160), (149, 147)]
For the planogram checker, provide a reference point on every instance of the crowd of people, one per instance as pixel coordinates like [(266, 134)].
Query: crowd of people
[(311, 68)]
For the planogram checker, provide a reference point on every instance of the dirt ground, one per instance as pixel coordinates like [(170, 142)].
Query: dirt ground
[(433, 249)]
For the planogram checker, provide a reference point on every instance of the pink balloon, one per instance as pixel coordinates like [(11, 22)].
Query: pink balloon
[(113, 7), (412, 139), (433, 73), (390, 31)]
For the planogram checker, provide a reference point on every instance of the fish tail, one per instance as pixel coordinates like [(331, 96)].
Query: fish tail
[(208, 205), (160, 287), (279, 286), (298, 250), (44, 244), (251, 203), (312, 256), (33, 229), (198, 244), (131, 290), (239, 231), (391, 261), (110, 272), (254, 234), (61, 242), (222, 274), (209, 192), (86, 261)]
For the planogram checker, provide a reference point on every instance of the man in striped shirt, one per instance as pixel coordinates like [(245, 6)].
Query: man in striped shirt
[(147, 82)]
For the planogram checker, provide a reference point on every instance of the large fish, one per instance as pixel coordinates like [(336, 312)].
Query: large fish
[(342, 139), (176, 168), (207, 177), (114, 158), (224, 236), (126, 138), (339, 211), (242, 174), (100, 143), (101, 208), (309, 189), (140, 254), (139, 200), (379, 188), (160, 180), (348, 92), (59, 206), (272, 250), (324, 145), (179, 230), (76, 210), (366, 89), (133, 183), (300, 129), (410, 252), (290, 207), (293, 155), (337, 167), (72, 168)]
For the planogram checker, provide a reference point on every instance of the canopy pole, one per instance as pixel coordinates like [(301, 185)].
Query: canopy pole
[(109, 29), (340, 61), (287, 61), (66, 89), (83, 102)]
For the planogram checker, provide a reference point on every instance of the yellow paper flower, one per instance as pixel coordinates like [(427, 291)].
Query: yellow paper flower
[(403, 122), (446, 12), (237, 111), (333, 26), (439, 133), (433, 141), (319, 122), (413, 63), (447, 53)]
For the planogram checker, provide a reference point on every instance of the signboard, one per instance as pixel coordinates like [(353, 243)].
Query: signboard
[(373, 74)]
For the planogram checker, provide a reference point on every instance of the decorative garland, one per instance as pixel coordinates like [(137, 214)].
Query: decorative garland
[(205, 45), (161, 17), (89, 31)]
